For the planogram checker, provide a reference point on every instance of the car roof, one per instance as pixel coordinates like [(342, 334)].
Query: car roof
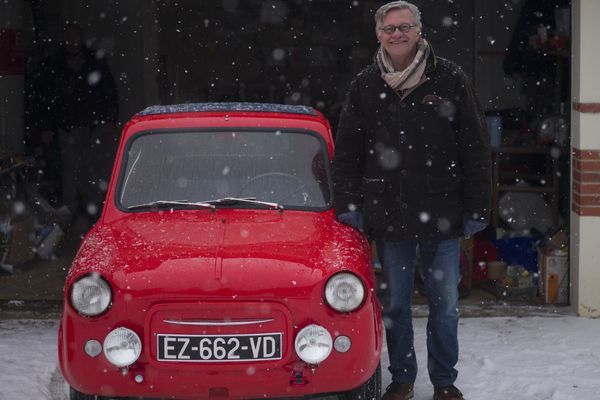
[(228, 107), (231, 114)]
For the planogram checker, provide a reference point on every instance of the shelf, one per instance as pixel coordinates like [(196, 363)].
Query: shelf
[(548, 173), (535, 189)]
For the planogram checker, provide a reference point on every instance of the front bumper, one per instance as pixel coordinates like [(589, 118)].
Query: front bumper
[(285, 377)]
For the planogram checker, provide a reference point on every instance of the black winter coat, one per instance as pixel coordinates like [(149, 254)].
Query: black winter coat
[(417, 167)]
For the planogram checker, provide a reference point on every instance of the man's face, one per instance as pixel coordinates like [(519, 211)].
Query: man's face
[(400, 46)]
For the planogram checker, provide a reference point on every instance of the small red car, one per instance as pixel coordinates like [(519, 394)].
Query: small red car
[(217, 268)]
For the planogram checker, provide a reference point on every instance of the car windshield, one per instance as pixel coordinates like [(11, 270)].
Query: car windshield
[(288, 168)]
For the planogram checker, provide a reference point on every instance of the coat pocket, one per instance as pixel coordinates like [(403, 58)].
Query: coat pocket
[(376, 203)]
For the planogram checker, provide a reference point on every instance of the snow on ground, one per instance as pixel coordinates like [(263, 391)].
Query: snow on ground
[(28, 359), (528, 358)]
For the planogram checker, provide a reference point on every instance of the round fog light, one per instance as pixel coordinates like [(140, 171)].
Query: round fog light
[(92, 348), (313, 344), (342, 344), (122, 347)]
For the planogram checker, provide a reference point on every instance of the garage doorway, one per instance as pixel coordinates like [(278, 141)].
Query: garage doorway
[(300, 52)]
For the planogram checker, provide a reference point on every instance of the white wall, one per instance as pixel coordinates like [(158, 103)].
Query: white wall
[(585, 252)]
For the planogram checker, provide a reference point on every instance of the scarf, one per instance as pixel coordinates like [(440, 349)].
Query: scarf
[(409, 77)]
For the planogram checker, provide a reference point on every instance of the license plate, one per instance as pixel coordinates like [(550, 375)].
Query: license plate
[(218, 348)]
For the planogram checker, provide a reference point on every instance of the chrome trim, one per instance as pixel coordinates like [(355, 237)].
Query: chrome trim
[(219, 323)]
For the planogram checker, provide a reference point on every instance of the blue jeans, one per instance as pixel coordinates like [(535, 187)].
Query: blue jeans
[(440, 267)]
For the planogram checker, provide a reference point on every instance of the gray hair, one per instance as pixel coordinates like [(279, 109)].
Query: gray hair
[(397, 5)]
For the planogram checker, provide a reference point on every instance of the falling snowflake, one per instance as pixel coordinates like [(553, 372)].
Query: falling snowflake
[(278, 54), (94, 77)]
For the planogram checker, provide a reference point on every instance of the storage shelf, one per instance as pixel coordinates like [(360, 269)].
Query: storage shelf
[(535, 189), (549, 174)]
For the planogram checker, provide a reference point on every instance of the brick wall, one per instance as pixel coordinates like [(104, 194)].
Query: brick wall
[(586, 182)]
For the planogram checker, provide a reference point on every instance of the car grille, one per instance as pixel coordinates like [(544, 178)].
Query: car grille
[(243, 325)]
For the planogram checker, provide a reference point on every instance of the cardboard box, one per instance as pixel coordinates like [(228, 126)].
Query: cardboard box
[(559, 240), (553, 275), (20, 246)]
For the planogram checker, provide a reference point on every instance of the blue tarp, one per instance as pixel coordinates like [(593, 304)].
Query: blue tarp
[(518, 251)]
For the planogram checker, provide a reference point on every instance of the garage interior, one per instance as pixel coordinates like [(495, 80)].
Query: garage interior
[(306, 52)]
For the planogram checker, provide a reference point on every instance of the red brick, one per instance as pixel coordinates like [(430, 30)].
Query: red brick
[(584, 177), (586, 165), (586, 154), (591, 108), (589, 166), (585, 201), (589, 212), (586, 188)]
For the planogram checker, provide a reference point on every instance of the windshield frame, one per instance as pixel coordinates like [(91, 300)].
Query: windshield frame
[(124, 159)]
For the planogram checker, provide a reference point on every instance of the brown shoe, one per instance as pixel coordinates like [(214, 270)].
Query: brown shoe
[(447, 393), (399, 391)]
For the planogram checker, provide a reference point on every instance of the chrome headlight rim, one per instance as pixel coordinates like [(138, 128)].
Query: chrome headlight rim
[(114, 335), (101, 283), (339, 305)]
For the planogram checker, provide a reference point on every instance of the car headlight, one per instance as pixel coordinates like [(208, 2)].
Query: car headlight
[(122, 347), (344, 292), (313, 344), (90, 295)]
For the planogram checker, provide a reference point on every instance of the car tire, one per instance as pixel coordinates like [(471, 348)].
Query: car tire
[(76, 395), (370, 390)]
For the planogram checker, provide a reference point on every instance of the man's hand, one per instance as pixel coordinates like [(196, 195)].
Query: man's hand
[(353, 219)]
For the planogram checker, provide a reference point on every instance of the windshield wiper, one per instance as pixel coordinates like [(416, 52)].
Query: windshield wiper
[(171, 204), (249, 200)]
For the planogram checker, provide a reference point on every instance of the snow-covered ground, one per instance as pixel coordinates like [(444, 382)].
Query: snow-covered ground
[(528, 358)]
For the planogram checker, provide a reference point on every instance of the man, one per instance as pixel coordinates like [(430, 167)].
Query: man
[(80, 110), (412, 158)]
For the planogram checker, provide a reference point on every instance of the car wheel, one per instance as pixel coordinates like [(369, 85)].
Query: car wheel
[(370, 390), (75, 395)]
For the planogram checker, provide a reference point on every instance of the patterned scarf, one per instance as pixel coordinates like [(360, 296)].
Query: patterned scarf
[(409, 77)]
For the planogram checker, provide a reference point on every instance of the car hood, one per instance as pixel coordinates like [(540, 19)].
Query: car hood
[(223, 253)]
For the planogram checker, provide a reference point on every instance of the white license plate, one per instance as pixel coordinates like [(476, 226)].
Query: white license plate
[(219, 348)]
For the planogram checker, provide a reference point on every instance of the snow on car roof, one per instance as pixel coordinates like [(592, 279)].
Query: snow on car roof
[(223, 107)]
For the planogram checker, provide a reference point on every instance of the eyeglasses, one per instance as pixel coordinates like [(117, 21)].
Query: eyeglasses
[(390, 29)]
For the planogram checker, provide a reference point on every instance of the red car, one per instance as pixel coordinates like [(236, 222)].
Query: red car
[(218, 269)]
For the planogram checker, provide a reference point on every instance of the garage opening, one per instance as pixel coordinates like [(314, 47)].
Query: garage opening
[(293, 52)]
